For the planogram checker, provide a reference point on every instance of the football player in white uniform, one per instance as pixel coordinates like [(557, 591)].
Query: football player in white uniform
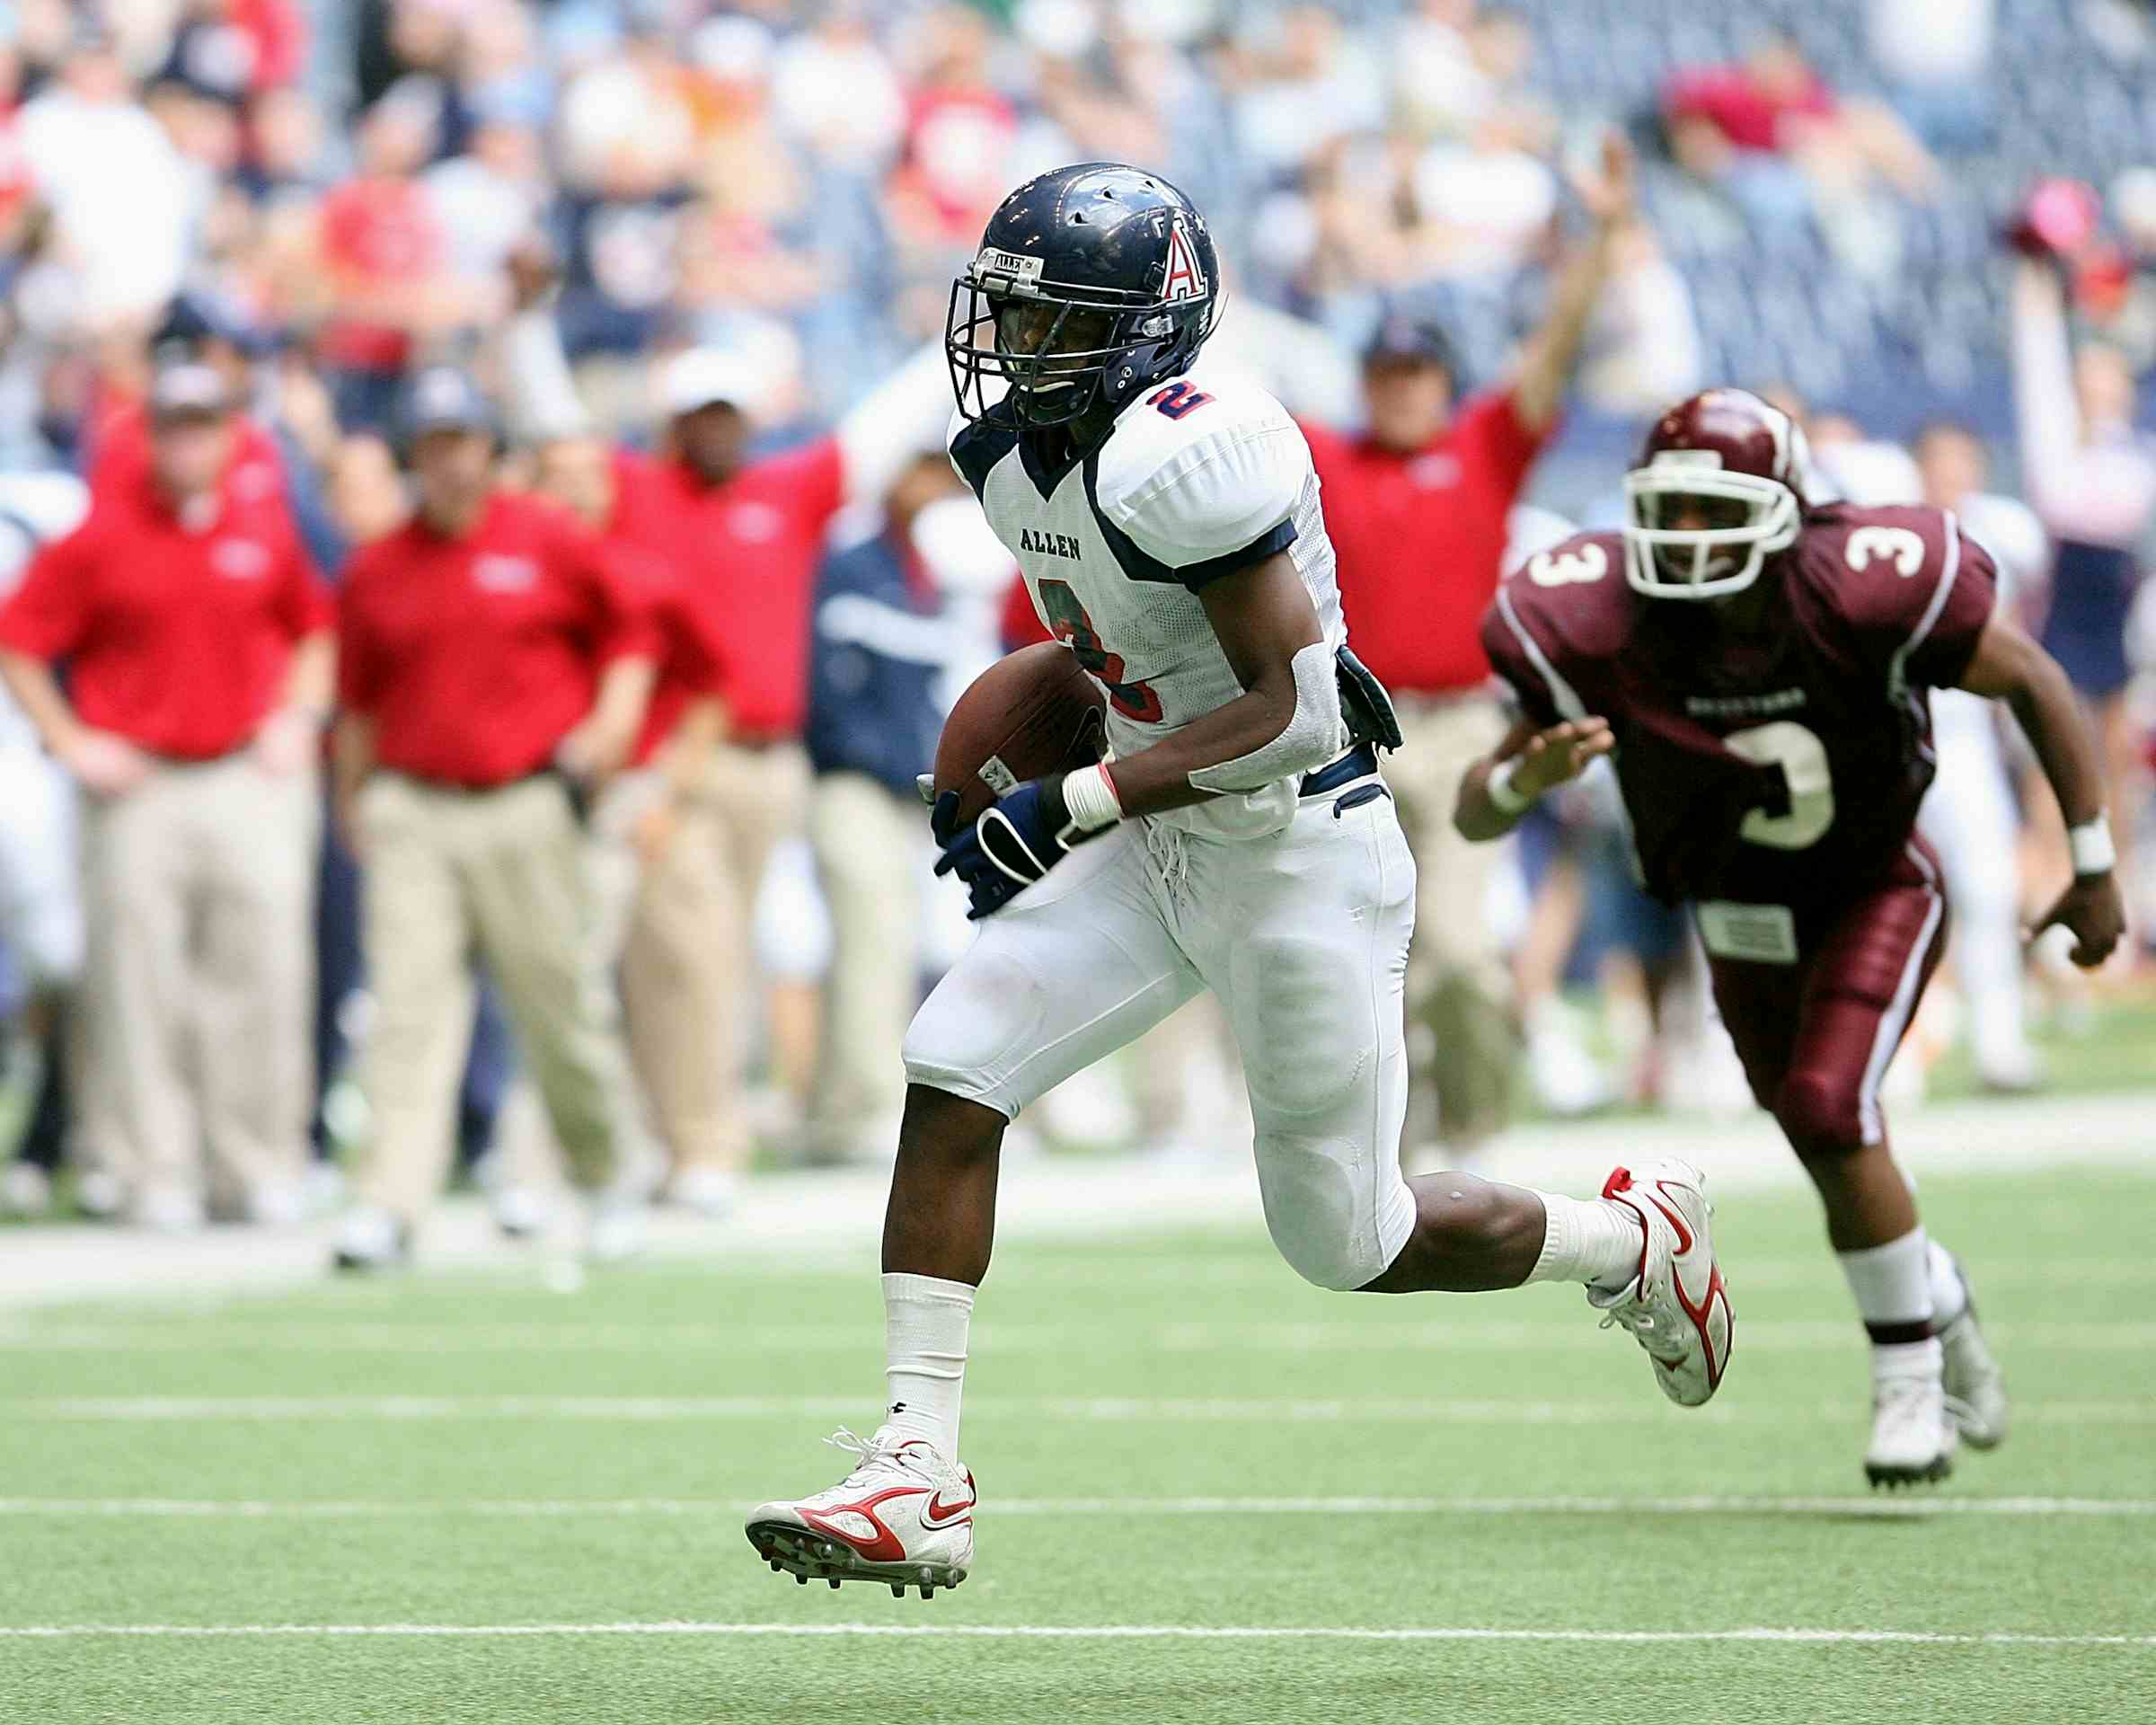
[(1240, 838)]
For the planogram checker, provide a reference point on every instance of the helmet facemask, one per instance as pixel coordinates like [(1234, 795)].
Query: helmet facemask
[(1055, 345), (1746, 517)]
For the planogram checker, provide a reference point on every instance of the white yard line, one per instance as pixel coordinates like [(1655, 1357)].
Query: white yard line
[(1079, 1633), (1344, 1409), (1466, 1332), (1895, 1509)]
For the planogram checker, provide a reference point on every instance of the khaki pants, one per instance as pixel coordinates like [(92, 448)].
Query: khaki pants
[(1458, 984), (866, 842), (665, 915), (198, 987), (684, 921), (501, 872)]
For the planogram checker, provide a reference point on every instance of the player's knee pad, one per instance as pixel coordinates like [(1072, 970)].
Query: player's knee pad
[(1321, 1210), (1819, 1111)]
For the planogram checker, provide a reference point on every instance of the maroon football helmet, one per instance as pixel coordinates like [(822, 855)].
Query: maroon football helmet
[(1718, 488)]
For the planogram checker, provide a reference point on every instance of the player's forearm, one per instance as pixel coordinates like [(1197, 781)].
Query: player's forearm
[(37, 693), (1157, 779), (1478, 816), (2009, 667), (2051, 717)]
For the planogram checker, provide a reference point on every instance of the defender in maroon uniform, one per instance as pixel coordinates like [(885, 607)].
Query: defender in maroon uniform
[(1757, 668)]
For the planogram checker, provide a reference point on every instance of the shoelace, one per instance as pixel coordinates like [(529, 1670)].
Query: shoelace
[(870, 1452), (865, 1450), (1632, 1314)]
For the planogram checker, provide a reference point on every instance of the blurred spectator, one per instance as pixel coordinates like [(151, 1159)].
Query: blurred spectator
[(2091, 477), (1935, 55), (663, 893), (195, 636), (954, 163), (119, 194), (1302, 80), (1770, 132), (1417, 508), (878, 654), (1969, 814), (489, 198), (384, 259), (835, 90), (1460, 70), (493, 670)]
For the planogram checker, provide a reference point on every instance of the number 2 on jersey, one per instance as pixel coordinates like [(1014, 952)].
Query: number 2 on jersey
[(1802, 757), (1178, 399), (1068, 617)]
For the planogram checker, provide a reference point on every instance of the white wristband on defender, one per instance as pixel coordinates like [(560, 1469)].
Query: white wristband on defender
[(1089, 796), (2090, 846), (1507, 801)]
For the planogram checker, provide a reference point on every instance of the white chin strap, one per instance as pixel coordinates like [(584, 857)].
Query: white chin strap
[(1721, 560)]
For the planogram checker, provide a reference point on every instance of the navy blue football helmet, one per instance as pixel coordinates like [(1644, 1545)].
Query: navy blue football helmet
[(1091, 283)]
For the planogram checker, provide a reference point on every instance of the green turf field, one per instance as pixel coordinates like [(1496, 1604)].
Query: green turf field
[(1208, 1493)]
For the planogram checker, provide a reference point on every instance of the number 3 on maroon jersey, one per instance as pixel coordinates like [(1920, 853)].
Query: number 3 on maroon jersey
[(1067, 618), (1802, 757)]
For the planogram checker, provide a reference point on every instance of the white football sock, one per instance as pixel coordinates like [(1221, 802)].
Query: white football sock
[(1587, 1240), (1892, 1283), (1949, 1293), (924, 1324)]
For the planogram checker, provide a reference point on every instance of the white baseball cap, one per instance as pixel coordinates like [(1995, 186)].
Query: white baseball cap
[(705, 376)]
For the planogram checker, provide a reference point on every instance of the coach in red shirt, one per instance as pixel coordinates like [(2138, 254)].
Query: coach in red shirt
[(745, 536), (495, 668), (1417, 507), (195, 634)]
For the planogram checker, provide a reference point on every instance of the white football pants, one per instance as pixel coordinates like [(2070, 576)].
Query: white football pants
[(1303, 936)]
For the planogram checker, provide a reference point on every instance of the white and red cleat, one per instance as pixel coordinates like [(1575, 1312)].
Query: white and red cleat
[(1676, 1305), (903, 1517)]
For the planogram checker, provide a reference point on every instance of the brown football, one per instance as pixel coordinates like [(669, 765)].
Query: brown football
[(1030, 713)]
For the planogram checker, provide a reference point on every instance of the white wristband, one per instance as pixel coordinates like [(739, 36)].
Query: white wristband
[(1089, 795), (2090, 846), (1502, 796)]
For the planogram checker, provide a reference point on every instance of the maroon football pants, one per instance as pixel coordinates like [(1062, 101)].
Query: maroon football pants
[(1816, 1037)]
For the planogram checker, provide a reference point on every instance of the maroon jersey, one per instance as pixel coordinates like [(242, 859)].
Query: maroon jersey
[(1783, 766)]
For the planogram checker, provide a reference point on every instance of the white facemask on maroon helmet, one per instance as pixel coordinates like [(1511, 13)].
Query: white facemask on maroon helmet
[(1738, 469)]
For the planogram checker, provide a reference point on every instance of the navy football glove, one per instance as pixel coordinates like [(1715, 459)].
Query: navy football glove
[(1011, 845)]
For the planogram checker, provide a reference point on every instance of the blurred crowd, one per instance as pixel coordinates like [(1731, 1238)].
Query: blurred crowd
[(363, 279)]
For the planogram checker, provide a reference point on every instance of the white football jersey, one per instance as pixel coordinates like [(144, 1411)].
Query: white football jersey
[(1202, 476)]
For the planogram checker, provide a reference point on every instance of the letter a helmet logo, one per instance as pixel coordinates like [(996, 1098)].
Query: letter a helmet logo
[(1185, 279)]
